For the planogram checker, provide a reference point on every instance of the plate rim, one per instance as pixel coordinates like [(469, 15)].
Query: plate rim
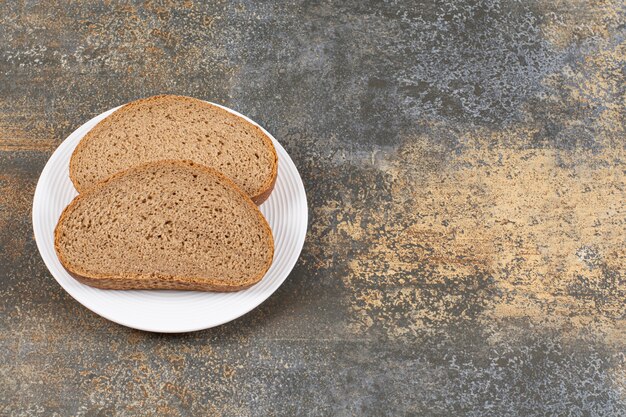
[(299, 243)]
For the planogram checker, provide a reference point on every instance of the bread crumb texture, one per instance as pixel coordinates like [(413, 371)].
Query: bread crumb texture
[(176, 127), (165, 225)]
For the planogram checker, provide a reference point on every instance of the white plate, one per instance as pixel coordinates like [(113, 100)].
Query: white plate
[(172, 311)]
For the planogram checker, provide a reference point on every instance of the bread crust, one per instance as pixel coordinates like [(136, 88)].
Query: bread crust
[(259, 198), (158, 281)]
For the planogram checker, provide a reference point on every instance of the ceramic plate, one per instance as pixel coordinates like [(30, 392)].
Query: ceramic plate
[(172, 311)]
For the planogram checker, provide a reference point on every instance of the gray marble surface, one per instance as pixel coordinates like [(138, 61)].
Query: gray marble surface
[(465, 167)]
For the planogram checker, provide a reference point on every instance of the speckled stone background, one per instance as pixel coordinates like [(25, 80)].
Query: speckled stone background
[(465, 165)]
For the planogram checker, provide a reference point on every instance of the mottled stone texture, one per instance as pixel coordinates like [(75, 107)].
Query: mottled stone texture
[(465, 167)]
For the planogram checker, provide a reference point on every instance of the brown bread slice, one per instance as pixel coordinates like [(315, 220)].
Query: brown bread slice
[(171, 127), (165, 225)]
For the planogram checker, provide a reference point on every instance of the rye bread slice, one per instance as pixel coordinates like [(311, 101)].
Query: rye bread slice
[(171, 127), (165, 225)]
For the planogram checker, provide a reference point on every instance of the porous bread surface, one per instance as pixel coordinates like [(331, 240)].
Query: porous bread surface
[(165, 225), (171, 127)]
